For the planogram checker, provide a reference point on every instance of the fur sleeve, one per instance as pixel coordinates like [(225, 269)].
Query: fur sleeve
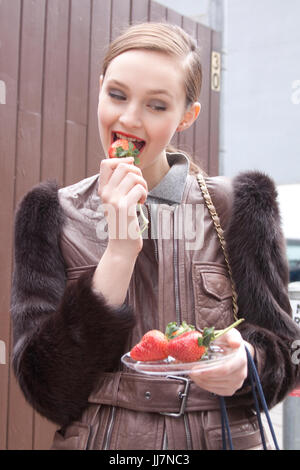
[(256, 251), (64, 336)]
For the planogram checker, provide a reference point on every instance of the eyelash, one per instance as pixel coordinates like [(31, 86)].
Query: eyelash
[(116, 96), (123, 98)]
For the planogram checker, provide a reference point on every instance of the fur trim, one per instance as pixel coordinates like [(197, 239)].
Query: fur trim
[(64, 336), (256, 250), (38, 263)]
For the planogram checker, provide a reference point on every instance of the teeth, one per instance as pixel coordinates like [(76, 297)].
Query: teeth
[(130, 139)]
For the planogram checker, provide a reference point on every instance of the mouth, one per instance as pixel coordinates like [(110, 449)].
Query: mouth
[(139, 143)]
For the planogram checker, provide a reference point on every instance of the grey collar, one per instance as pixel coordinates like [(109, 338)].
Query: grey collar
[(170, 189)]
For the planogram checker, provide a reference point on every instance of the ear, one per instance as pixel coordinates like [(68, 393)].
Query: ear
[(189, 116)]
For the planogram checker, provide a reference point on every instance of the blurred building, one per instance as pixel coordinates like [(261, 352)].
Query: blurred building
[(260, 83), (260, 96)]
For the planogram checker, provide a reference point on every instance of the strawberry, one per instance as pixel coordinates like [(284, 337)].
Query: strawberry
[(174, 330), (186, 348), (123, 148), (187, 344), (152, 347)]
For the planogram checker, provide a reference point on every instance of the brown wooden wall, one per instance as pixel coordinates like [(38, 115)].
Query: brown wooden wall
[(50, 61)]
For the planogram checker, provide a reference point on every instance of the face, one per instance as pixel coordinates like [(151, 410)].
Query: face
[(142, 98)]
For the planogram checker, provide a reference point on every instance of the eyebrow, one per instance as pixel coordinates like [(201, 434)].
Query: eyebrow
[(149, 92)]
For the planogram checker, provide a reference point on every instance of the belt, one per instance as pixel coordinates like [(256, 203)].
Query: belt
[(172, 396)]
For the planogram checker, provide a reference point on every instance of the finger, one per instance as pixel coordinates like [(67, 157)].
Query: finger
[(120, 172), (234, 366), (108, 166), (222, 387), (129, 181), (137, 194), (232, 338)]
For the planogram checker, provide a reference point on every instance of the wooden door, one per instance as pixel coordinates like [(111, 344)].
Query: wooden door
[(50, 61)]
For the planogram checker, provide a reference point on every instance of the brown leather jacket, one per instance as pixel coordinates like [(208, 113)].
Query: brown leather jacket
[(179, 275)]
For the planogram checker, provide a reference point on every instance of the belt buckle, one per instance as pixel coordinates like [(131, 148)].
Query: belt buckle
[(183, 396)]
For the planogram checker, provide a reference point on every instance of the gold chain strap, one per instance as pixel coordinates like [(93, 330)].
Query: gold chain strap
[(219, 230)]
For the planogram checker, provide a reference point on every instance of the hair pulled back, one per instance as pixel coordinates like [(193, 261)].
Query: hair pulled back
[(168, 39), (165, 38)]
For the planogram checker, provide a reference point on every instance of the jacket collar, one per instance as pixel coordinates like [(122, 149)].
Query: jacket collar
[(170, 189)]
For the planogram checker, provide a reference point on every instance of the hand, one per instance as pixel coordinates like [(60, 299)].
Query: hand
[(121, 187), (226, 379)]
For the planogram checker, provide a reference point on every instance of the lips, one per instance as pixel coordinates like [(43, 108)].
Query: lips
[(139, 143)]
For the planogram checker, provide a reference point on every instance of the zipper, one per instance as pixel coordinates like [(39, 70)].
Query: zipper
[(152, 216), (175, 265), (187, 432), (109, 429), (165, 439), (178, 312)]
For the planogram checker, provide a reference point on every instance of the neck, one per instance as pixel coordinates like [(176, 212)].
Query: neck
[(154, 173)]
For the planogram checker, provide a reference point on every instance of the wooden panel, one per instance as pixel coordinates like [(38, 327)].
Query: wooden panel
[(100, 34), (176, 19), (214, 116), (50, 70), (120, 17), (173, 17), (43, 432), (55, 89), (30, 96), (20, 433), (53, 136), (139, 11), (77, 96), (186, 138), (9, 64), (202, 126), (157, 12)]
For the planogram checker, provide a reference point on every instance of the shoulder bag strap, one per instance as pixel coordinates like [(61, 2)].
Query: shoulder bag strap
[(254, 378), (220, 233)]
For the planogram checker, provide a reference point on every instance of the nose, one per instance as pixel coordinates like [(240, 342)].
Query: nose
[(131, 116)]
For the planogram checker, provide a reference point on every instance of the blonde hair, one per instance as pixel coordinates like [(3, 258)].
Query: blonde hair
[(168, 39)]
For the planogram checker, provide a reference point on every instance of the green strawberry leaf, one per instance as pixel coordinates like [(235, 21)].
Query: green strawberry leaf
[(120, 152), (208, 335), (171, 328)]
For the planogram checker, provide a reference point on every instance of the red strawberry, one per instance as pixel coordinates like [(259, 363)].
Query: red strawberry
[(188, 345), (152, 347), (122, 148), (186, 348)]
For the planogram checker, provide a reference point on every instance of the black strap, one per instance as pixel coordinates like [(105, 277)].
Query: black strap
[(255, 384), (226, 434)]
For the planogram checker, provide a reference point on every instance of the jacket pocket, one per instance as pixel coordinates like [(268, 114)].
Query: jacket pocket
[(245, 436), (212, 295), (73, 437)]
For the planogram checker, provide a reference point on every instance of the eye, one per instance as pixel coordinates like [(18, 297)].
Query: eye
[(117, 95), (157, 105)]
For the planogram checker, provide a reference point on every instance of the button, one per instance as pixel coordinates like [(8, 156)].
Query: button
[(147, 395)]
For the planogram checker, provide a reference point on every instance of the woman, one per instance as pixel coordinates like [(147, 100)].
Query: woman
[(87, 285)]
